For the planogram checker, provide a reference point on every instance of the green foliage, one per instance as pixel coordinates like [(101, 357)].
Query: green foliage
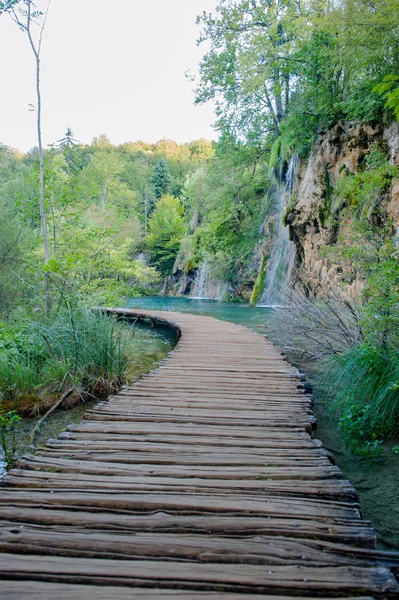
[(366, 394), (8, 5), (297, 68), (274, 153), (259, 283), (165, 232), (225, 205), (68, 141), (364, 192), (9, 425), (98, 199), (10, 256), (389, 89), (280, 150), (161, 179), (99, 179), (356, 434)]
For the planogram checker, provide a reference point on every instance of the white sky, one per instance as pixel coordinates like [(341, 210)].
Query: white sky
[(108, 67)]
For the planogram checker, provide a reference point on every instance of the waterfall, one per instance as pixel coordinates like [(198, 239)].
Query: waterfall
[(198, 287), (205, 287), (282, 255)]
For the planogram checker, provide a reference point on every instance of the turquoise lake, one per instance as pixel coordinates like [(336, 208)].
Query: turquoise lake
[(252, 317)]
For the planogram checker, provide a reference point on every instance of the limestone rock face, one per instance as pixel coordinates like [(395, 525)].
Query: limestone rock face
[(340, 149)]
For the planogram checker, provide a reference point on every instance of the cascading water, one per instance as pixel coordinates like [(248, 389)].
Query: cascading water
[(198, 287), (205, 287), (281, 261)]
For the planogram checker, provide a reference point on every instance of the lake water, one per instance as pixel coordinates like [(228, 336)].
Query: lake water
[(253, 317)]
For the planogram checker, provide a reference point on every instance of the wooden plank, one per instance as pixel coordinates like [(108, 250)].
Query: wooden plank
[(213, 503), (68, 443), (223, 577), (258, 549), (189, 429), (319, 528), (39, 590), (134, 470)]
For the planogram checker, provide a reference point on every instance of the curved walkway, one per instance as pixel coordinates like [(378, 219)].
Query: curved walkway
[(201, 480)]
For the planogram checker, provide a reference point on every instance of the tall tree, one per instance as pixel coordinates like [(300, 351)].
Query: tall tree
[(137, 174), (161, 180), (68, 141), (25, 16), (100, 175), (165, 232), (251, 61)]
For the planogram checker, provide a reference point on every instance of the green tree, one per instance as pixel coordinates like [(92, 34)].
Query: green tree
[(11, 255), (250, 67), (201, 151), (161, 180), (165, 231), (68, 141), (288, 68), (8, 5), (99, 178), (137, 174)]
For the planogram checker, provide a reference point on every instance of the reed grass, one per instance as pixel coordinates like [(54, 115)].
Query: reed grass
[(366, 387), (77, 347)]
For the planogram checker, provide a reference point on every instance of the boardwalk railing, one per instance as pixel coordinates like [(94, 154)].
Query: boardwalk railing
[(201, 480)]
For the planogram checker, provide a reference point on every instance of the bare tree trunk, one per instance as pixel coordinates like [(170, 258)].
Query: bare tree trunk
[(145, 213), (273, 114), (43, 215), (103, 197), (54, 227), (286, 92), (36, 48)]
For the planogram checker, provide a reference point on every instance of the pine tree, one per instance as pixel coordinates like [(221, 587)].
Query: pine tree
[(161, 180), (68, 141)]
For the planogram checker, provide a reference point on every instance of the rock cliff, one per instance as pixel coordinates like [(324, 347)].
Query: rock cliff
[(341, 148)]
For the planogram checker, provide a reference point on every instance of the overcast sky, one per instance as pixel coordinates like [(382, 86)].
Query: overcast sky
[(108, 67)]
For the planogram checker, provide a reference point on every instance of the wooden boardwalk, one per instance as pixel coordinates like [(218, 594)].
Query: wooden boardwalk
[(201, 480)]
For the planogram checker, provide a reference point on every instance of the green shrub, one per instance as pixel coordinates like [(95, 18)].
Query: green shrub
[(356, 433)]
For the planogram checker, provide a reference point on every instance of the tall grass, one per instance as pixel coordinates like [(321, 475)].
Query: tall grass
[(366, 389), (88, 342), (76, 348), (310, 329)]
